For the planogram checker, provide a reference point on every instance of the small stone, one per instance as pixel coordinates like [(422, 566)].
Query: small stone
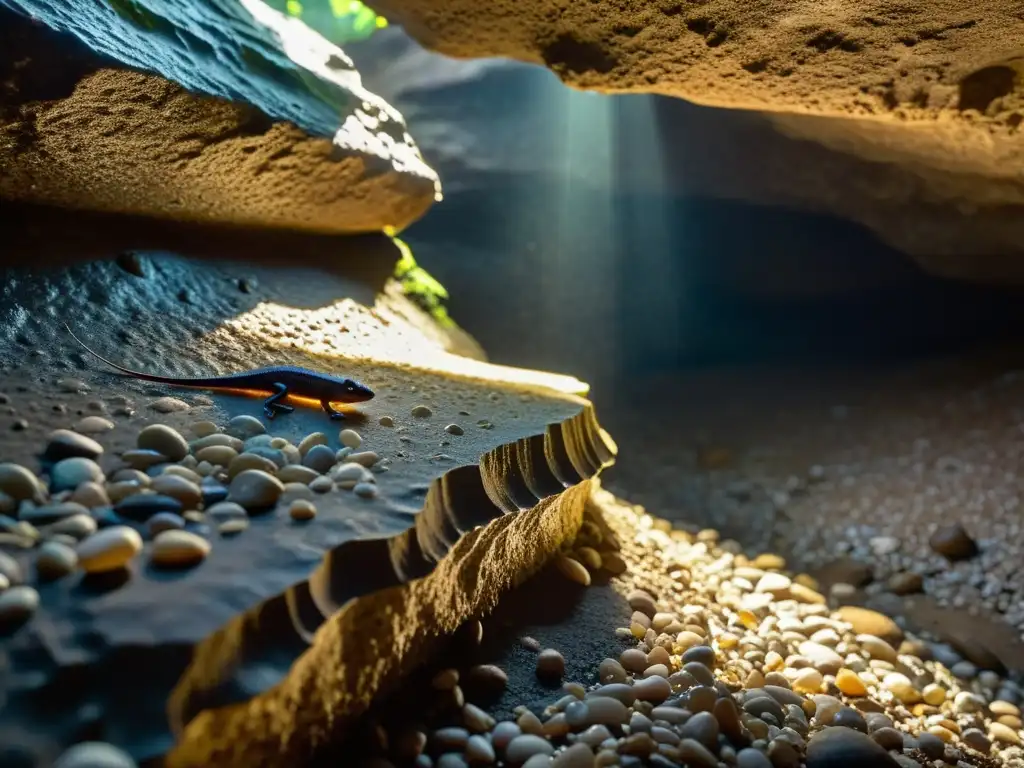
[(550, 665), (888, 738), (17, 605), (703, 728), (164, 521), (142, 459), (953, 542), (255, 489), (639, 600), (1004, 734), (169, 405), (204, 428), (93, 425), (109, 549), (9, 569), (906, 583), (847, 717), (243, 427), (302, 510), (752, 758), (365, 490), (180, 488), (227, 510), (178, 549), (233, 526), (479, 750), (576, 756), (322, 485), (475, 719), (319, 458), (76, 526), (19, 483), (808, 680), (55, 561), (350, 438), (348, 475), (696, 755), (487, 678), (867, 622), (422, 411), (850, 683), (68, 474), (72, 385), (824, 659), (899, 685), (573, 570), (525, 746), (94, 754), (218, 455), (454, 429), (877, 648), (826, 708), (142, 506), (976, 739), (933, 747), (846, 748), (386, 421), (364, 458), (164, 440)]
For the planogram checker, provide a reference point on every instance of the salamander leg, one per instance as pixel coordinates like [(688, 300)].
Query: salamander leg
[(335, 415), (273, 405)]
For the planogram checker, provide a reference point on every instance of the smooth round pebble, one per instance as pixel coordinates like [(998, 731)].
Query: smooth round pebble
[(169, 405), (68, 474), (178, 549), (244, 427), (365, 490), (233, 526), (109, 549), (573, 570), (422, 411), (65, 444), (525, 746), (55, 561), (17, 604), (315, 438), (204, 428), (350, 438), (163, 439), (302, 509), (454, 429), (93, 425), (319, 458), (18, 482), (846, 748), (184, 490), (550, 664), (255, 489), (164, 521), (94, 754)]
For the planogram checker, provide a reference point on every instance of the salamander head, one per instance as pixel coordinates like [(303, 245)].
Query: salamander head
[(351, 391)]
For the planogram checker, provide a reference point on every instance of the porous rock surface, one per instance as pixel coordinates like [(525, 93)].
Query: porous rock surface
[(907, 119), (222, 112)]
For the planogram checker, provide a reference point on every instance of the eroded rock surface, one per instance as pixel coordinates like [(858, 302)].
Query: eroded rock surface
[(908, 122), (223, 112)]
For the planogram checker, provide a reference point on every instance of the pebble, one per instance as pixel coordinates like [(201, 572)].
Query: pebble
[(142, 506), (386, 421), (93, 425), (218, 455), (68, 474), (233, 526), (94, 754), (808, 680), (184, 490), (109, 549), (752, 758), (576, 756), (953, 542), (17, 604), (164, 440), (169, 405), (227, 510), (296, 473), (319, 458), (365, 490), (525, 746), (76, 526), (696, 755), (845, 748), (350, 438), (931, 745), (322, 484), (906, 583), (178, 549), (50, 513), (142, 459), (877, 648), (848, 717), (823, 658), (850, 683), (55, 561), (90, 494), (65, 444), (573, 570), (454, 429), (364, 458), (550, 665), (302, 509), (250, 460), (164, 521), (244, 427), (204, 428), (255, 489), (899, 685), (19, 483), (1004, 734), (10, 569), (422, 411), (348, 475), (70, 385), (316, 438)]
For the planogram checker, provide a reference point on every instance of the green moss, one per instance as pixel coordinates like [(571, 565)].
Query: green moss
[(420, 287), (340, 21)]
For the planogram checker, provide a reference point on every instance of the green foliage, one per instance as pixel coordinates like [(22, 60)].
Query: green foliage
[(340, 21), (420, 287)]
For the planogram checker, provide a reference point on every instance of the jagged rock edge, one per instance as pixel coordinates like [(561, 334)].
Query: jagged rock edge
[(537, 486)]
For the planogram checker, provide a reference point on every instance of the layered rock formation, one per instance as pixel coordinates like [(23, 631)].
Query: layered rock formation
[(259, 121), (908, 122)]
